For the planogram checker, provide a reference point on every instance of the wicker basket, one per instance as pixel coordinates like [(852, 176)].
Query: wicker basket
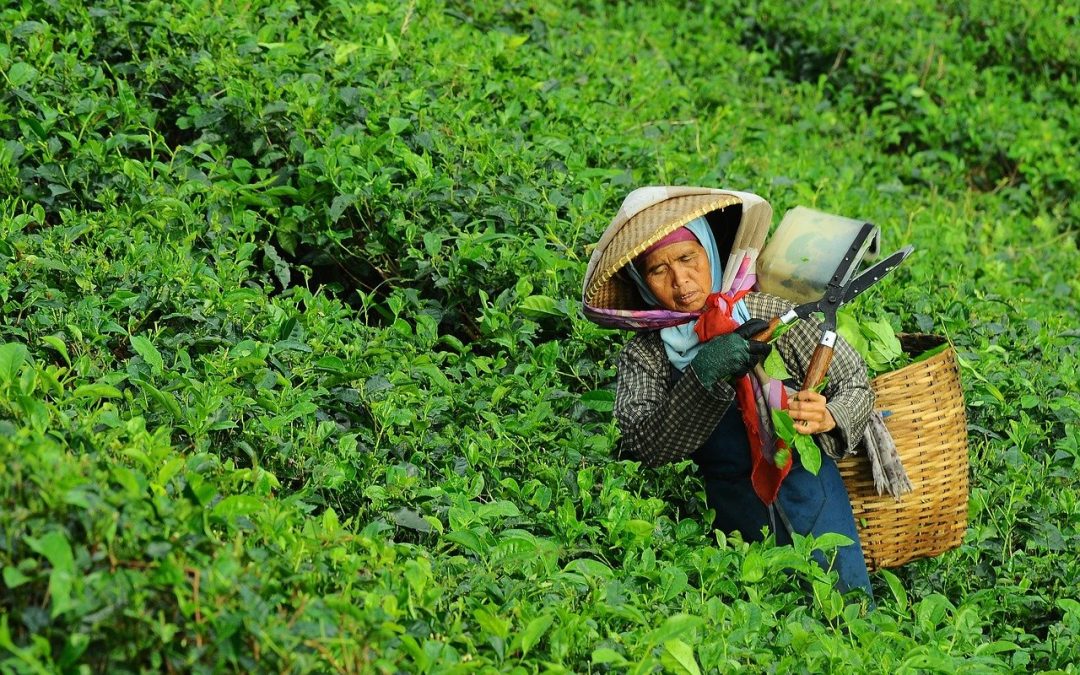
[(926, 419)]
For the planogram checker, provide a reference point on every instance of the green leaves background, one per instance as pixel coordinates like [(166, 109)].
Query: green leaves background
[(293, 375)]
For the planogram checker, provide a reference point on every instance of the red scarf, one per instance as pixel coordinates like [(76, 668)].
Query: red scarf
[(765, 476)]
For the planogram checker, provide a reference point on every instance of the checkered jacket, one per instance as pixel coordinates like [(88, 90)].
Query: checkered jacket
[(662, 422)]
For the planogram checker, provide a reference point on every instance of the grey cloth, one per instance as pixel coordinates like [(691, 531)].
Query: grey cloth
[(661, 422), (888, 472)]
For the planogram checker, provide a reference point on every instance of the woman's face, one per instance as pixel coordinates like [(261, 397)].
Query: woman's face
[(679, 276)]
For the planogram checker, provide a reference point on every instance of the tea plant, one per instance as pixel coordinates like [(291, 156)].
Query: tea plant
[(293, 375)]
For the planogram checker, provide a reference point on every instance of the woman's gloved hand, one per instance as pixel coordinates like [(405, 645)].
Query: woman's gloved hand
[(730, 355)]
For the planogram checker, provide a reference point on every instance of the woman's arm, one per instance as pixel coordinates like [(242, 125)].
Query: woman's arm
[(660, 422)]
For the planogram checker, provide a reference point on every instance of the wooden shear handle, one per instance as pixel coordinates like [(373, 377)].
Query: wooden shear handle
[(766, 335), (819, 363)]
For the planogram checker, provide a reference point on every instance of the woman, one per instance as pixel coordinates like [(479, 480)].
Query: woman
[(679, 396)]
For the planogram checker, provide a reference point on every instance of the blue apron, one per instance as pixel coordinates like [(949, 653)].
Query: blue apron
[(812, 504)]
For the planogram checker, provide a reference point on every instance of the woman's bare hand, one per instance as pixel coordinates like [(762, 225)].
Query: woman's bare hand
[(807, 409)]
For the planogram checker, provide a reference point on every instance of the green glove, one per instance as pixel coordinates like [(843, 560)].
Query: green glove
[(731, 355)]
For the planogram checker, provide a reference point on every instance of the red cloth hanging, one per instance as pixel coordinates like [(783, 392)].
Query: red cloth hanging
[(765, 477)]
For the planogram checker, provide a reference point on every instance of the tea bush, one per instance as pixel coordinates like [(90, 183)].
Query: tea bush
[(293, 375)]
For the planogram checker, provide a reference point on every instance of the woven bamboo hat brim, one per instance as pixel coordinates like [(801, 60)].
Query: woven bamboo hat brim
[(604, 287)]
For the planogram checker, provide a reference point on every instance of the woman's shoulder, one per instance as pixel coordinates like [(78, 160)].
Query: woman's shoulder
[(766, 305), (645, 347), (646, 341), (644, 354)]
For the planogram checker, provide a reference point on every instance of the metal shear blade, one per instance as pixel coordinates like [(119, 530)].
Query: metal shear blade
[(837, 294)]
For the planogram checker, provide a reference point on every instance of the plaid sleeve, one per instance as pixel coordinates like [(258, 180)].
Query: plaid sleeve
[(660, 422), (850, 398)]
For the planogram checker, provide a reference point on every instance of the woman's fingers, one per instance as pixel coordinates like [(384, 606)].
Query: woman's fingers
[(814, 426), (807, 405), (807, 409)]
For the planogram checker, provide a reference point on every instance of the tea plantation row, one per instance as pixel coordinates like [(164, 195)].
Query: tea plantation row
[(293, 375)]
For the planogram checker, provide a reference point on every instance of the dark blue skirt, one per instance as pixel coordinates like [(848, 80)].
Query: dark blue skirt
[(811, 505)]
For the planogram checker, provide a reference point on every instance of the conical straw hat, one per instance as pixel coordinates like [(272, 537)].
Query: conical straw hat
[(638, 227)]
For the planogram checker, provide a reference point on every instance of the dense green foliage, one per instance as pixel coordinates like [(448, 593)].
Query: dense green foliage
[(292, 370)]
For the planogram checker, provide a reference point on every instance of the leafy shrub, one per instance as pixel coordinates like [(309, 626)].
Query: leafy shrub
[(293, 374)]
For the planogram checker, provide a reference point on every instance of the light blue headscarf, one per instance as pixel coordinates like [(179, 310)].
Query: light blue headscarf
[(681, 342)]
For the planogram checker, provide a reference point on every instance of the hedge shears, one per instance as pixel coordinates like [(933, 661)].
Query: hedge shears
[(841, 289)]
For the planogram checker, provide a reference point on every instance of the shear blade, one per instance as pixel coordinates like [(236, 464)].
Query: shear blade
[(874, 274)]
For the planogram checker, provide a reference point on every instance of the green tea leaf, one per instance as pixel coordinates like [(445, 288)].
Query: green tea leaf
[(847, 326), (274, 262), (13, 577), (331, 364), (337, 208), (831, 540), (468, 540), (497, 509), (899, 594), (995, 392), (809, 452), (996, 647), (541, 306), (533, 631), (674, 626), (96, 391), (639, 527), (784, 425), (197, 487), (433, 243), (35, 411), (600, 400), (1070, 606), (36, 127), (12, 357), (491, 622), (753, 567), (163, 398), (775, 367), (237, 505), (410, 519), (884, 346), (821, 385), (28, 381), (783, 455), (55, 548), (589, 568), (678, 657), (673, 581), (607, 655), (341, 54), (57, 344), (779, 331), (21, 73), (149, 353)]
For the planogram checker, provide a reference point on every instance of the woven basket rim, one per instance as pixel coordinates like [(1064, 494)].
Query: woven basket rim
[(907, 338)]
